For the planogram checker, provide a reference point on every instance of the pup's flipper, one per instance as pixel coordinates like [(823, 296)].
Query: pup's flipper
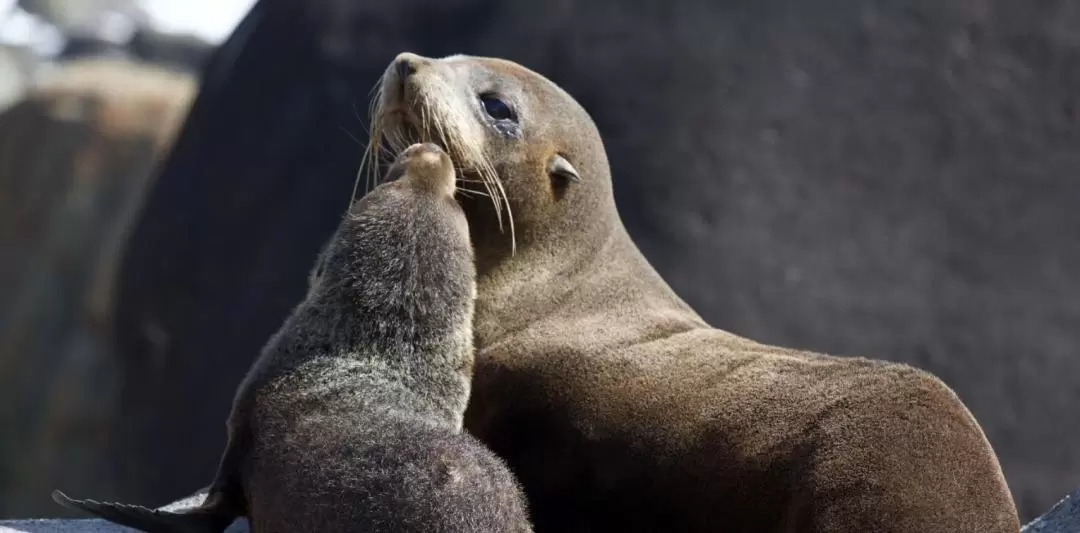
[(196, 520)]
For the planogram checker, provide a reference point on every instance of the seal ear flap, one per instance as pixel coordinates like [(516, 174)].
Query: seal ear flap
[(562, 173), (559, 167)]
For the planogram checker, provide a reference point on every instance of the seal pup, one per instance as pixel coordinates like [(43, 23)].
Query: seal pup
[(617, 406), (351, 419)]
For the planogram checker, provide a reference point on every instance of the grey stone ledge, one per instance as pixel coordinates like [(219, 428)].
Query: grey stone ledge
[(1064, 517), (1061, 518), (93, 525)]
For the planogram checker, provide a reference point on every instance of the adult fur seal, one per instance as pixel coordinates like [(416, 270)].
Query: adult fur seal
[(351, 420), (618, 407)]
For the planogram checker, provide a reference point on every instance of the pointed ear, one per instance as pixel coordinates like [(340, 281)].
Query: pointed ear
[(559, 168)]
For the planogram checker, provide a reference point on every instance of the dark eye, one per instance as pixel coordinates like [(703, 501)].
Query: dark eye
[(496, 108)]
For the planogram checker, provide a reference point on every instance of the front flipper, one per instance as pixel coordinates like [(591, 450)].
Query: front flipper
[(197, 520)]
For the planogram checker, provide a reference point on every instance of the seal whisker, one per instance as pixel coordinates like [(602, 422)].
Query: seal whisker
[(351, 136), (359, 173), (377, 128), (356, 112), (424, 124), (385, 150), (369, 160), (471, 192), (490, 174)]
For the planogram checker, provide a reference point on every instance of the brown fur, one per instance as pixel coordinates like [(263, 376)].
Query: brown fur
[(620, 409)]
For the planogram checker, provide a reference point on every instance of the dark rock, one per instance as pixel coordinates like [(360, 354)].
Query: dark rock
[(183, 52)]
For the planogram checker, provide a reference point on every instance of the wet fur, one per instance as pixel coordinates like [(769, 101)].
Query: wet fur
[(351, 418), (620, 409)]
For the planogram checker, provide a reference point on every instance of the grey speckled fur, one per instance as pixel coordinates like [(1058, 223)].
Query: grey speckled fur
[(351, 418)]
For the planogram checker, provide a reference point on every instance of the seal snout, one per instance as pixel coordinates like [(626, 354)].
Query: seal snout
[(428, 164), (407, 63)]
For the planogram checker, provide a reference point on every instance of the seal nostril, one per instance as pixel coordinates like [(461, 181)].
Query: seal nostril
[(404, 67)]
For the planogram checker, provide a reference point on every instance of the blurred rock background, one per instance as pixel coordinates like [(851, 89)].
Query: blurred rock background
[(89, 102), (892, 179)]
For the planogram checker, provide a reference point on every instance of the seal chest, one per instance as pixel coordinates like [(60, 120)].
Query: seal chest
[(350, 420)]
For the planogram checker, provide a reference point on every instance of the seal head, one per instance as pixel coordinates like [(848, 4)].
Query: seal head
[(543, 174)]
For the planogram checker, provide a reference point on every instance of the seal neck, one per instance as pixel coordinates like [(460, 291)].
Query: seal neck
[(613, 281)]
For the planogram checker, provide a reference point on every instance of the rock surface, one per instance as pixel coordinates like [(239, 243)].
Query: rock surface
[(1062, 518), (102, 526)]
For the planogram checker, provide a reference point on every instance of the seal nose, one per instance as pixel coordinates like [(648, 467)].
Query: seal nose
[(406, 64), (430, 148), (429, 152), (430, 165), (404, 68)]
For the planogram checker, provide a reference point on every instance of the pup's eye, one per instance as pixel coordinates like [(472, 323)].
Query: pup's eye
[(496, 108)]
